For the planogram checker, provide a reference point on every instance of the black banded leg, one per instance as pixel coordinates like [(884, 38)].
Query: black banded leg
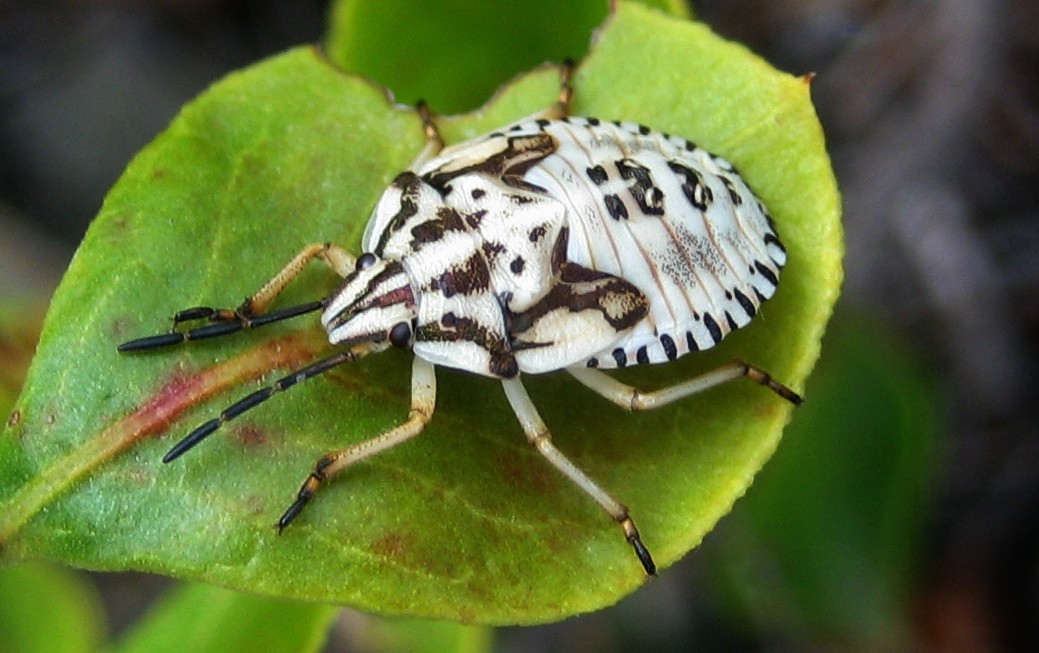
[(631, 398), (423, 401), (252, 312), (538, 435)]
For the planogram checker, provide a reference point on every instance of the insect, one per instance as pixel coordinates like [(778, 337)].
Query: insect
[(555, 243)]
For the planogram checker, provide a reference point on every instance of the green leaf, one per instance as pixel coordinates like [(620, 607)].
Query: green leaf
[(467, 522), (837, 512), (455, 53), (202, 618), (44, 607)]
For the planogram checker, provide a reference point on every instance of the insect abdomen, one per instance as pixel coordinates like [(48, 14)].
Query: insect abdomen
[(673, 219)]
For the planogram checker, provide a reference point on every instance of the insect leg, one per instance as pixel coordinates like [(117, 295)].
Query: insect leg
[(538, 435), (333, 255), (423, 401), (566, 89), (434, 142), (252, 312), (630, 398), (561, 107)]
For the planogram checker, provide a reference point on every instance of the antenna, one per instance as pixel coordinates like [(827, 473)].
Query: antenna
[(253, 400), (224, 322)]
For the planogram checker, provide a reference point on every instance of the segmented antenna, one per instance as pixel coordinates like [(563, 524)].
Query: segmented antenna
[(253, 400), (224, 322)]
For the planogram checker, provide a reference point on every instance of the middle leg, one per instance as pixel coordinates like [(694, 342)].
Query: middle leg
[(538, 435)]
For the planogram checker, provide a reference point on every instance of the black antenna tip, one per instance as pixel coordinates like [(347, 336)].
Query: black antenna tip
[(191, 440), (152, 342)]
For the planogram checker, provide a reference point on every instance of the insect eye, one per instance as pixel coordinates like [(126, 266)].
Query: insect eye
[(366, 260), (400, 335)]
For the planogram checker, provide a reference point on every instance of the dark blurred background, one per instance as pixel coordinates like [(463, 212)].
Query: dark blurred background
[(931, 109)]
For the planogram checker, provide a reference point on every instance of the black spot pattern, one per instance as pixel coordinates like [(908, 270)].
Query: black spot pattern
[(620, 357), (712, 328), (698, 194), (455, 328), (492, 249), (648, 197), (690, 341), (734, 196), (745, 302), (537, 233), (670, 350), (769, 275), (615, 207), (468, 278), (598, 175), (431, 231), (770, 239), (473, 220)]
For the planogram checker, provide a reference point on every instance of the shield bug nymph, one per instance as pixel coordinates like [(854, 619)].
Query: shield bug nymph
[(555, 243)]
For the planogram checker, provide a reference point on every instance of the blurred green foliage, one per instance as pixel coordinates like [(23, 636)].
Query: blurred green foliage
[(418, 49), (825, 548)]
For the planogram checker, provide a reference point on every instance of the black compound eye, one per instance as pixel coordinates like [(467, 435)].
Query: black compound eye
[(400, 335), (366, 260)]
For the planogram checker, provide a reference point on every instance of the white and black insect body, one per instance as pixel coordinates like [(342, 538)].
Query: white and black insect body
[(557, 243)]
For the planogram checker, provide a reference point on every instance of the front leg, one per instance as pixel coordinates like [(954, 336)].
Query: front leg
[(423, 401), (333, 255), (252, 312)]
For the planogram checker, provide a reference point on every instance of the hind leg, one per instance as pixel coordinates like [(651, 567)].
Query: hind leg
[(631, 398)]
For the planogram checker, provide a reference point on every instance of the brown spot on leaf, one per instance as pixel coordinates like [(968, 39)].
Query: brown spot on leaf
[(391, 545), (251, 436), (14, 418), (521, 474)]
